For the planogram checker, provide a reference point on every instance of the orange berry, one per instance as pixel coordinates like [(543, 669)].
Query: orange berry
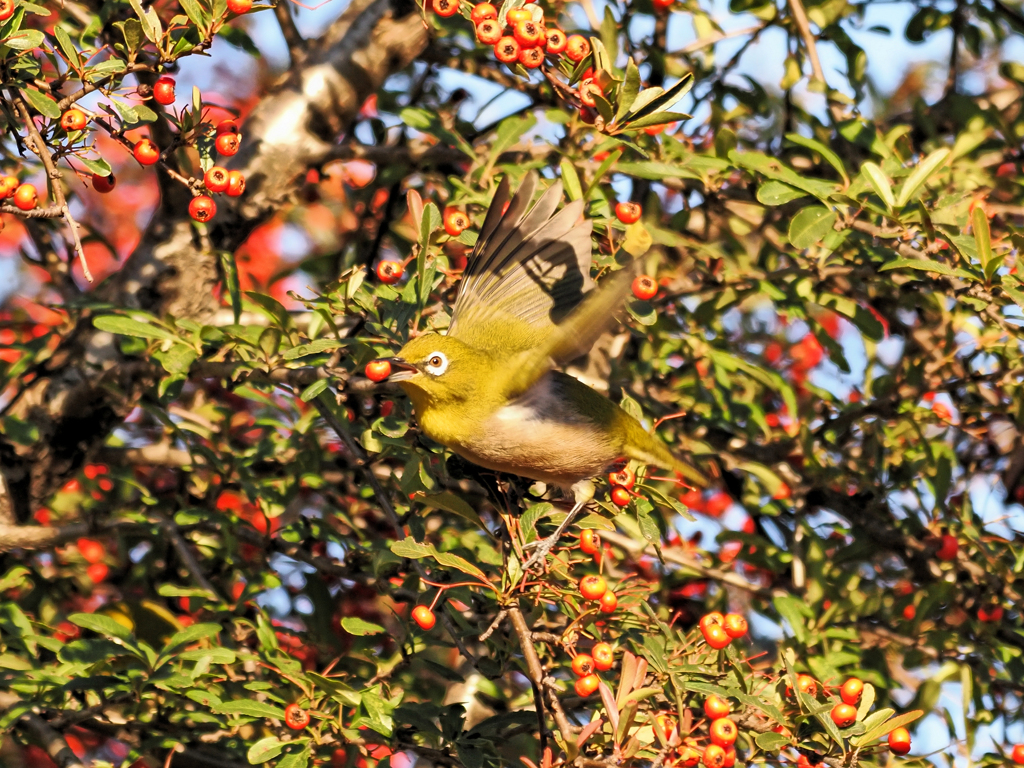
[(455, 222), (844, 715), (716, 637), (227, 143), (577, 48), (609, 602), (295, 717), (506, 50), (483, 12), (851, 691), (377, 370), (25, 197), (163, 91), (645, 287), (583, 665), (488, 31), (555, 41), (202, 208), (590, 541), (73, 120), (624, 478), (424, 617), (1018, 754), (236, 184), (899, 743), (716, 708), (734, 625), (604, 656), (711, 618), (146, 152), (723, 732), (620, 496), (585, 686), (390, 272), (592, 587), (628, 213), (714, 756)]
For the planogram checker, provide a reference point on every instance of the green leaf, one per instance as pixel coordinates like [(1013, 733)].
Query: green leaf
[(265, 749), (42, 103), (791, 609), (64, 41), (881, 183), (571, 179), (250, 708), (921, 174), (816, 146), (195, 13), (191, 635), (771, 741), (927, 265), (103, 625), (314, 347), (356, 626), (409, 547), (296, 760), (628, 90), (983, 240), (231, 282), (509, 132), (885, 728), (663, 117), (777, 193), (126, 326), (810, 225), (314, 389), (15, 577)]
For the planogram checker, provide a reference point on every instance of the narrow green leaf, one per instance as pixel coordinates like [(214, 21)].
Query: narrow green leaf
[(571, 180), (771, 741), (103, 625), (816, 146), (982, 236), (250, 708), (313, 390), (777, 193), (126, 326), (880, 182), (264, 750), (628, 90), (190, 635), (886, 728), (927, 265), (921, 174), (231, 282)]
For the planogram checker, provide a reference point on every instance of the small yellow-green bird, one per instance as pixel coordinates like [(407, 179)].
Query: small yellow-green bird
[(488, 389)]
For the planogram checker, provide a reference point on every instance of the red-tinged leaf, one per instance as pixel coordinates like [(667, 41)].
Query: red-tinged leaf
[(626, 678), (609, 705), (588, 730), (641, 673), (527, 761)]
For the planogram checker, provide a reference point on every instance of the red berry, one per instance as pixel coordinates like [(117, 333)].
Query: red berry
[(624, 478), (662, 5), (488, 31), (378, 370), (25, 197), (514, 15), (455, 221), (620, 496), (7, 186), (446, 7), (202, 208), (216, 179), (844, 715), (103, 184), (730, 757), (609, 602), (555, 41), (588, 91), (723, 732), (146, 152), (91, 550), (295, 717), (163, 91), (592, 587), (73, 120), (716, 637), (483, 12), (239, 6), (236, 183), (604, 656), (590, 541), (506, 50), (97, 572), (628, 213), (711, 618), (716, 708), (424, 617), (227, 143), (899, 743), (1017, 755), (6, 9), (851, 691), (531, 58), (807, 684), (227, 126), (528, 33), (948, 549), (577, 48), (585, 686), (714, 756), (390, 272), (583, 665), (645, 287), (909, 612), (734, 625)]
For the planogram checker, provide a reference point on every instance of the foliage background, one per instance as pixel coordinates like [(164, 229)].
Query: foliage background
[(836, 232)]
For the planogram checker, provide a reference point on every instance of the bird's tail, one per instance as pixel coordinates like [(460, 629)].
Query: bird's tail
[(650, 450)]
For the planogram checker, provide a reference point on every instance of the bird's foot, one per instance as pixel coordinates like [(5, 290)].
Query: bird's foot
[(544, 546)]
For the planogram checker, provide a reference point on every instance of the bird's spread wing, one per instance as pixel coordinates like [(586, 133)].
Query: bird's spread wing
[(573, 337), (529, 270)]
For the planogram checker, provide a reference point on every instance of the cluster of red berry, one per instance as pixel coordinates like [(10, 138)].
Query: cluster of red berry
[(523, 37), (25, 196), (586, 666)]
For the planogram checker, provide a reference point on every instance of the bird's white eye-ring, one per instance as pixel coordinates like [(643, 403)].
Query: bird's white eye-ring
[(437, 363)]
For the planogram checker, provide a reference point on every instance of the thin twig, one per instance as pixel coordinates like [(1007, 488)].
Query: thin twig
[(189, 560), (802, 24), (56, 180), (292, 37), (717, 37), (52, 741), (536, 672)]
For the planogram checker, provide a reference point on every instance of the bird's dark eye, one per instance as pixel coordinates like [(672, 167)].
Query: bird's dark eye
[(435, 361)]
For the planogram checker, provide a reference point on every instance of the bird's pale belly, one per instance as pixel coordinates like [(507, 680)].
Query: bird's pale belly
[(541, 437)]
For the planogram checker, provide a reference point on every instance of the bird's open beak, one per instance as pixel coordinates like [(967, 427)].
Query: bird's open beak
[(401, 370)]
